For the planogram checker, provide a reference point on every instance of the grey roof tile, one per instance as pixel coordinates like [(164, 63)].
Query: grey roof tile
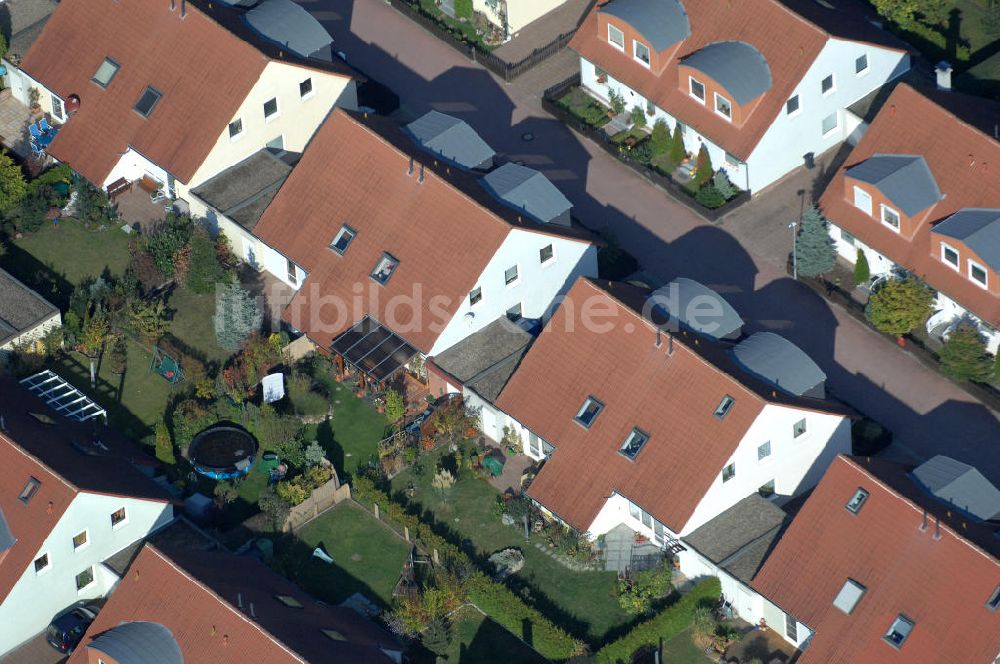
[(242, 192), (451, 139), (906, 180), (736, 66), (485, 360), (979, 229), (527, 190), (289, 24), (961, 485), (21, 309)]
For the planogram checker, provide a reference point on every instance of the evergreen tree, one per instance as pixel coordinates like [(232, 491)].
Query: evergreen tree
[(677, 150), (704, 168), (862, 273), (813, 245), (236, 316), (660, 138), (964, 355), (725, 186), (900, 305)]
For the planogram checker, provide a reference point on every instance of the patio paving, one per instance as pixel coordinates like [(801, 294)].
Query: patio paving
[(135, 207), (543, 31), (513, 468), (622, 554), (14, 120), (766, 645)]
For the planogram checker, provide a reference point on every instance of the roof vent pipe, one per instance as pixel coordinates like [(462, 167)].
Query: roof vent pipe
[(659, 341), (670, 344), (943, 74), (937, 528), (173, 5), (252, 614), (923, 522), (239, 600), (409, 172), (420, 178)]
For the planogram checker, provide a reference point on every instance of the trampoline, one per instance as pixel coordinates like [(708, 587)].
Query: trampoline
[(223, 452)]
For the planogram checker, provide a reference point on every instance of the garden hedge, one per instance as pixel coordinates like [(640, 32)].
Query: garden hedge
[(671, 621)]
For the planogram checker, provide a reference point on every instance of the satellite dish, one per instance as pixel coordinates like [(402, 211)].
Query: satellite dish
[(469, 317)]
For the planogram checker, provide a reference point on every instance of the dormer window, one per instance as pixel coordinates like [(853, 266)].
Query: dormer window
[(723, 107), (633, 444), (724, 407), (857, 501), (616, 37), (384, 269), (343, 239), (890, 217), (949, 255), (641, 52), (29, 490), (588, 412), (862, 200), (147, 102), (898, 631), (697, 89), (977, 273), (106, 72)]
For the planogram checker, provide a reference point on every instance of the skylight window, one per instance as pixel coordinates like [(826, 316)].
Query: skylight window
[(898, 631), (993, 603), (148, 101), (384, 269), (633, 444), (289, 601), (589, 412), (849, 596), (724, 406), (343, 239), (334, 635), (105, 72), (29, 490), (857, 501)]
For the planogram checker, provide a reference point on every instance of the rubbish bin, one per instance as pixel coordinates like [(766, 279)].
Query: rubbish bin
[(810, 160)]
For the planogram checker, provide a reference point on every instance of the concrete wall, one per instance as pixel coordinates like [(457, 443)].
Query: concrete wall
[(519, 12), (37, 597), (536, 288)]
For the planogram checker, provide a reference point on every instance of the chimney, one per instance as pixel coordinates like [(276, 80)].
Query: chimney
[(3, 423), (183, 8), (943, 73)]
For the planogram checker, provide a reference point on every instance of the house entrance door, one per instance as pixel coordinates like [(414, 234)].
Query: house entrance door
[(744, 604)]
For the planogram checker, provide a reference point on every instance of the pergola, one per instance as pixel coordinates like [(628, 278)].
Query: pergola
[(63, 397), (373, 349)]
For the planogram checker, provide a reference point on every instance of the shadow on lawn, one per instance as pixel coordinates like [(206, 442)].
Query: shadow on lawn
[(42, 278), (106, 394)]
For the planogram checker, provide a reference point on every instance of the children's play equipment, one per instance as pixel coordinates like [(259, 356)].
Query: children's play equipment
[(166, 366)]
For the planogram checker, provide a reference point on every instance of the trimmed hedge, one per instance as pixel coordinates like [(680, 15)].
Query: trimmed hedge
[(494, 599), (671, 621)]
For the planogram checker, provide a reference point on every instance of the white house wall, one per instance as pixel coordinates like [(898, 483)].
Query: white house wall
[(789, 137), (536, 288), (519, 12), (34, 334), (795, 464), (133, 166), (37, 597), (296, 121)]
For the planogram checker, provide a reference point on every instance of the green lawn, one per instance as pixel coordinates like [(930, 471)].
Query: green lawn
[(681, 650), (368, 556), (192, 324), (478, 640), (584, 603), (356, 431)]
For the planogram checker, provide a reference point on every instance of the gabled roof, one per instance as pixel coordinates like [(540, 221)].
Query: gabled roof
[(21, 309), (202, 70), (662, 22), (787, 42), (527, 190), (451, 139), (291, 26), (941, 583), (904, 179), (66, 458), (699, 308), (736, 66), (436, 221), (196, 596), (667, 386), (781, 363), (961, 157), (979, 229), (960, 485)]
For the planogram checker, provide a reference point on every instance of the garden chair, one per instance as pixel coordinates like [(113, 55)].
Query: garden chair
[(44, 125), (36, 151), (35, 132)]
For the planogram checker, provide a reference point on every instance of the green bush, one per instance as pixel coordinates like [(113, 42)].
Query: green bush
[(204, 271), (670, 622), (463, 8), (642, 152), (862, 273), (964, 355), (710, 197), (304, 400), (868, 437), (677, 150), (900, 305), (660, 139), (638, 117), (704, 169)]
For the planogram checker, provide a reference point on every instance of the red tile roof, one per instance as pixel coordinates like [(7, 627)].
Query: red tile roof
[(789, 43), (443, 231), (965, 162), (941, 585), (196, 595), (672, 398)]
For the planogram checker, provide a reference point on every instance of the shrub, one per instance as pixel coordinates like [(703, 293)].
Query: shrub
[(293, 493), (725, 186), (862, 273), (188, 418), (710, 197), (638, 117), (636, 596), (314, 454), (274, 507), (163, 245), (437, 636), (964, 355), (395, 406), (12, 184), (164, 446), (677, 150), (704, 170), (868, 437), (642, 152), (225, 493), (660, 139), (304, 400), (668, 623), (900, 305), (617, 101), (204, 271)]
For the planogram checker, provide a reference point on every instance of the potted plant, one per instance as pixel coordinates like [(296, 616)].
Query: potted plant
[(34, 95)]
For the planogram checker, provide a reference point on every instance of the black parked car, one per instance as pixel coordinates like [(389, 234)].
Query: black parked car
[(65, 632)]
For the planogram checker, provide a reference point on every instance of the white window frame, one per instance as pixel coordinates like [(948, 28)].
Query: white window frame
[(111, 62), (635, 53), (725, 469), (835, 127), (551, 259), (478, 302), (798, 108), (957, 265), (238, 135), (969, 265), (868, 65), (123, 522), (344, 230), (833, 85), (48, 563), (268, 119), (86, 533), (805, 428), (517, 278), (93, 579), (58, 108), (586, 402), (729, 103), (766, 443), (691, 81), (620, 47), (858, 190), (312, 89), (883, 208)]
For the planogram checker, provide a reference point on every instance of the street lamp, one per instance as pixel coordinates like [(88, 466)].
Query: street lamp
[(795, 256)]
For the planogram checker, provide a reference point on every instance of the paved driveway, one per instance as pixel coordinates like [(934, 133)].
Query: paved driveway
[(928, 414)]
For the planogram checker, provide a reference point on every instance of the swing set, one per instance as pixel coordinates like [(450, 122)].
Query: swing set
[(166, 366)]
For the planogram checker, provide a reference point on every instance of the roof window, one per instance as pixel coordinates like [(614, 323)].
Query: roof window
[(148, 101), (29, 490), (994, 601), (384, 269), (343, 239), (898, 631), (857, 501), (633, 444), (589, 412), (105, 72), (849, 596), (724, 407), (289, 601)]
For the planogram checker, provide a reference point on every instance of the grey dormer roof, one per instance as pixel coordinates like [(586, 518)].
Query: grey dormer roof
[(736, 66), (906, 180), (452, 139), (7, 538), (527, 190), (290, 25), (662, 22), (979, 229), (21, 309), (961, 485), (699, 308), (139, 643), (781, 363), (243, 191)]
